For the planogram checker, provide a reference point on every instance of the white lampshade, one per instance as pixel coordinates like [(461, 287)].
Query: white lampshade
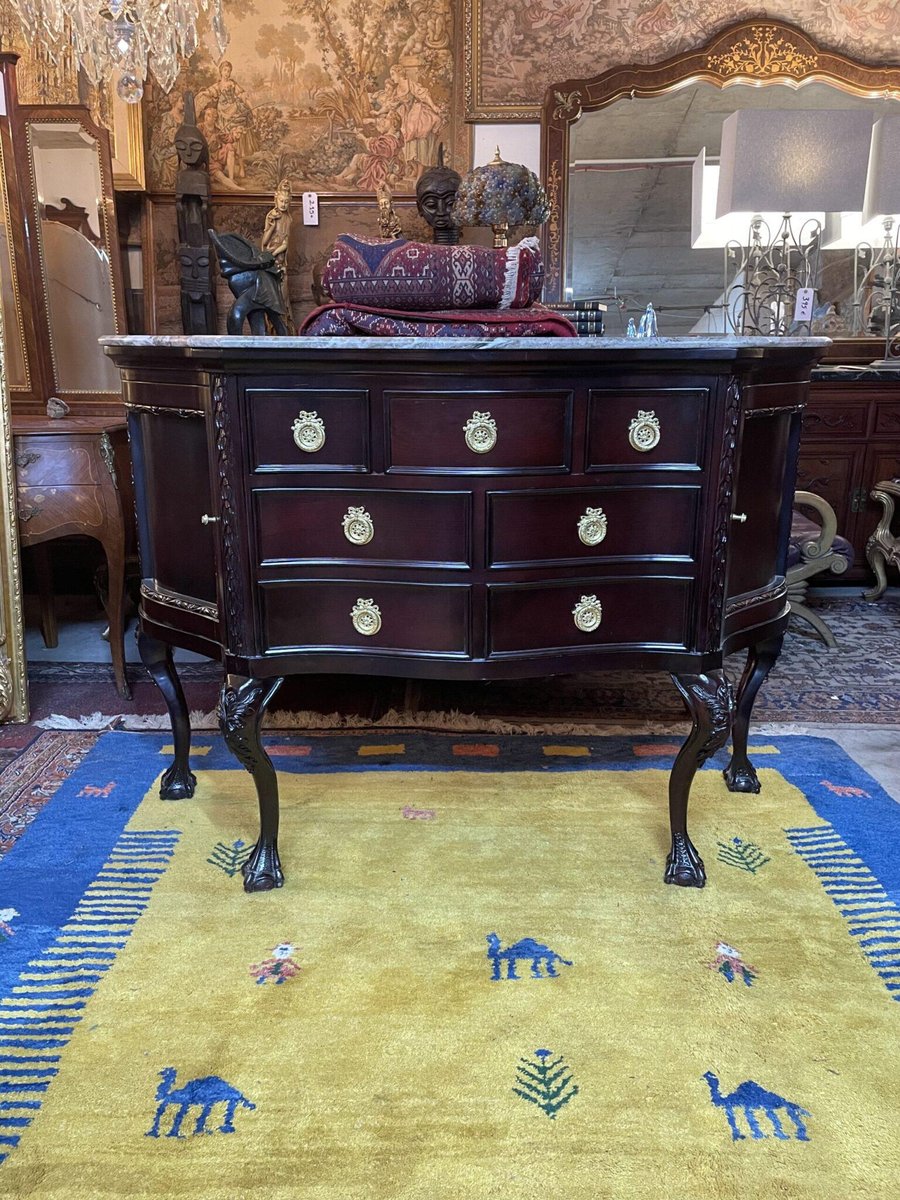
[(708, 230), (882, 193), (794, 161)]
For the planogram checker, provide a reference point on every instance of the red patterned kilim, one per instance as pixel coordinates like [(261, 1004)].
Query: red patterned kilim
[(420, 277), (358, 320)]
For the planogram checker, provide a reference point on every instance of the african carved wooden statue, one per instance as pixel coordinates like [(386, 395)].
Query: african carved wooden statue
[(198, 303), (253, 277), (435, 195)]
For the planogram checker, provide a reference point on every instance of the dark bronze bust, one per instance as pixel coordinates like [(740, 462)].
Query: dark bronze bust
[(435, 195)]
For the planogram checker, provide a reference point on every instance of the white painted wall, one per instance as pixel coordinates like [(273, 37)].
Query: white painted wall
[(518, 144)]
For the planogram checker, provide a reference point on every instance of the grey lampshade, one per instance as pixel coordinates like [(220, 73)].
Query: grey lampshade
[(784, 160), (883, 180)]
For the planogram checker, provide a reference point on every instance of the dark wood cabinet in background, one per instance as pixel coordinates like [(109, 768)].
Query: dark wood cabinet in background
[(851, 440)]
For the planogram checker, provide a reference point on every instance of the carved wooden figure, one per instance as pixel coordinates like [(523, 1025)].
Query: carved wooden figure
[(253, 277), (198, 305), (276, 235)]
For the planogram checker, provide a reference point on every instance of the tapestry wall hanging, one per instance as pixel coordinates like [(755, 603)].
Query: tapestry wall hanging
[(334, 95), (513, 52)]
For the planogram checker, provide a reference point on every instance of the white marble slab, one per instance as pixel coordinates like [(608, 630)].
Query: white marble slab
[(407, 344)]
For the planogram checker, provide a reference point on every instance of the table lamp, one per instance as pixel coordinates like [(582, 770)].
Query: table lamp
[(502, 195)]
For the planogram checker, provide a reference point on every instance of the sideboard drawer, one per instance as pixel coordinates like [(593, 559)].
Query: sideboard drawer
[(887, 417), (479, 432), (823, 418), (646, 428), (363, 524), (308, 429), (632, 612), (366, 616), (562, 526)]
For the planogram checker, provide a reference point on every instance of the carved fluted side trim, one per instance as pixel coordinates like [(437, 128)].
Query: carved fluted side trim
[(231, 560), (723, 515)]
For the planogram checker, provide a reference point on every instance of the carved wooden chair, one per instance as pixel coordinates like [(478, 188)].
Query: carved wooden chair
[(883, 547), (813, 548)]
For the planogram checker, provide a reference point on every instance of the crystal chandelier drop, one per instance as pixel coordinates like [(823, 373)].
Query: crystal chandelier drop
[(120, 38)]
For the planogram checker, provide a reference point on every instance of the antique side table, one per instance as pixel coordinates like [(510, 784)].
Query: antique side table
[(67, 483)]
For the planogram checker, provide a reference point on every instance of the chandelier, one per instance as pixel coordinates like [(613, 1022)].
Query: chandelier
[(120, 38)]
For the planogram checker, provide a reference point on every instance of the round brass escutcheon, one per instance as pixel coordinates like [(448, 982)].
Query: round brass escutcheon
[(592, 526), (481, 432), (359, 528), (309, 432), (643, 432), (366, 617), (588, 614)]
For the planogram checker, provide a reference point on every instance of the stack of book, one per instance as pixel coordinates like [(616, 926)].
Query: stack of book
[(585, 315)]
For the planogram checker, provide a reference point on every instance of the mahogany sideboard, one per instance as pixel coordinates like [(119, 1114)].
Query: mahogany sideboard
[(464, 509)]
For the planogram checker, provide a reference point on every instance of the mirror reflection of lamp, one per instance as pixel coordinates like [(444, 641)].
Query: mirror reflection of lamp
[(780, 172), (873, 234)]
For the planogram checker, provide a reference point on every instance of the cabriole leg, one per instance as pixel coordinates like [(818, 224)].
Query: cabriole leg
[(739, 774), (178, 782), (241, 707), (710, 703)]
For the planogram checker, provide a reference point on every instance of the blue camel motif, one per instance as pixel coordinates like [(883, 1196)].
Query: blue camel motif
[(199, 1093), (528, 949), (751, 1099)]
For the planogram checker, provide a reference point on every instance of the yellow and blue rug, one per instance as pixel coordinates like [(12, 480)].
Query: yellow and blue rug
[(473, 985)]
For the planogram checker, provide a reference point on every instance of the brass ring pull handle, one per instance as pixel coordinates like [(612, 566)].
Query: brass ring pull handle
[(588, 614), (309, 432), (739, 517), (592, 526), (359, 527), (643, 432), (481, 432), (366, 617)]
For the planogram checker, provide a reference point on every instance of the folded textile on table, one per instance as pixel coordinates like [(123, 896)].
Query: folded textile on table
[(419, 276), (361, 320)]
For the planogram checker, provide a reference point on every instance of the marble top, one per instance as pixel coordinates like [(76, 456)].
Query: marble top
[(407, 344)]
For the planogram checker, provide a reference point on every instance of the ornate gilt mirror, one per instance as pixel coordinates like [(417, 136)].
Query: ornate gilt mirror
[(618, 155)]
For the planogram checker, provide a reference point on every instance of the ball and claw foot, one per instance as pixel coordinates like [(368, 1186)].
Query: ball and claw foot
[(741, 778), (262, 871), (177, 783), (684, 866)]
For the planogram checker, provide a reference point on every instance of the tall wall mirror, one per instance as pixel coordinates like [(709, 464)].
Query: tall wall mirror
[(621, 161), (60, 272), (75, 260)]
